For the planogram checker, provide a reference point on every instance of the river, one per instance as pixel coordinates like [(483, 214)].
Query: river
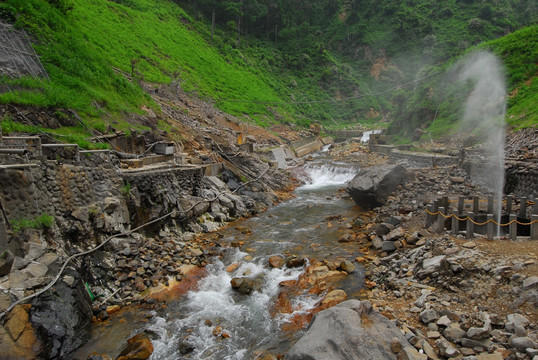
[(214, 321)]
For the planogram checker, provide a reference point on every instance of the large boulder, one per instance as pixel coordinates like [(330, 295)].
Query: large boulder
[(349, 330), (62, 316), (371, 187)]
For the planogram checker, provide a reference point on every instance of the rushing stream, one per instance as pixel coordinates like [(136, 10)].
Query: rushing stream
[(214, 321), (297, 227)]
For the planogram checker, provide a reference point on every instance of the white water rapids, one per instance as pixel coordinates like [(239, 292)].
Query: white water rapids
[(191, 327), (186, 329)]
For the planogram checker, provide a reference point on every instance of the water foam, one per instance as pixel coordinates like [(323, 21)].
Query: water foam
[(215, 303), (322, 176)]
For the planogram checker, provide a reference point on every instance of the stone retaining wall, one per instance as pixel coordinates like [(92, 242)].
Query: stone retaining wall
[(158, 192), (421, 160), (65, 190), (521, 178), (55, 189)]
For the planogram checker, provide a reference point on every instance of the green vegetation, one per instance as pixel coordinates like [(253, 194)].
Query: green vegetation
[(73, 135), (519, 52), (44, 221), (267, 61), (9, 126), (126, 189), (437, 104)]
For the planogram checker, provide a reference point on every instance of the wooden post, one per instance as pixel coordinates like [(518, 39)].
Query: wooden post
[(446, 203), (523, 208), (429, 218), (455, 223), (512, 228), (490, 228), (440, 226), (476, 205), (508, 207), (534, 227), (461, 202), (490, 204), (535, 208), (435, 208), (469, 229)]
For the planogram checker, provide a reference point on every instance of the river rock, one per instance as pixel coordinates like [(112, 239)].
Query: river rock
[(530, 282), (388, 246), (446, 349), (139, 347), (516, 320), (276, 261), (334, 334), (62, 317), (395, 234), (245, 285), (428, 315), (296, 261), (454, 332), (435, 264), (347, 266), (332, 298), (371, 187)]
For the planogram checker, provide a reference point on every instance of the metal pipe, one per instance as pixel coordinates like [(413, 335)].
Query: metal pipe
[(14, 151)]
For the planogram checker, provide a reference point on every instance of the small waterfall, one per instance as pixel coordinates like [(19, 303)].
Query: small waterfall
[(366, 135), (318, 176)]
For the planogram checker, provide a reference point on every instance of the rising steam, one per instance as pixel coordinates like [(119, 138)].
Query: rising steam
[(484, 114)]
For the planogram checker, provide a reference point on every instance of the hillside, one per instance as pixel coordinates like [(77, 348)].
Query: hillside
[(334, 62)]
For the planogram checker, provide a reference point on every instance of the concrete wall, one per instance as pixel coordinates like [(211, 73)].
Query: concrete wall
[(279, 156), (302, 142), (308, 148), (421, 160), (343, 135), (381, 149)]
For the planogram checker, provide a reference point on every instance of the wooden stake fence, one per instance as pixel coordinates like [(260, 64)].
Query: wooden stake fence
[(440, 210)]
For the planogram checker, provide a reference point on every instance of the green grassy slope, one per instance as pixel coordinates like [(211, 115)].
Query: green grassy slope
[(97, 51), (519, 53), (86, 50)]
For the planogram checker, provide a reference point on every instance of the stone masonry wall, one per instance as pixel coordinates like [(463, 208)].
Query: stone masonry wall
[(79, 192), (55, 189), (521, 178), (160, 191)]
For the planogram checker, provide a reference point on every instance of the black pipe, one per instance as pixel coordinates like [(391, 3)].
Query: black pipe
[(14, 151)]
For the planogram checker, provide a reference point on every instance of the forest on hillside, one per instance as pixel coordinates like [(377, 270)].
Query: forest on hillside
[(337, 63)]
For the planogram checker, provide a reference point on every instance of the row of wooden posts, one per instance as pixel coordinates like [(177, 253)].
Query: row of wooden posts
[(442, 206)]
